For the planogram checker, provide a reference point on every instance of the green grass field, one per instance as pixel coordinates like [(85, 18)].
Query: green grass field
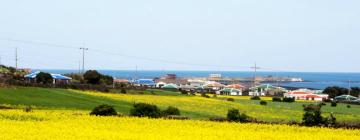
[(195, 107)]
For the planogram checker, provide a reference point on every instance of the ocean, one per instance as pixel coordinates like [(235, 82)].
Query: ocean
[(315, 80)]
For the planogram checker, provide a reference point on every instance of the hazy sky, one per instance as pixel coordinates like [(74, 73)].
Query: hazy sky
[(287, 35)]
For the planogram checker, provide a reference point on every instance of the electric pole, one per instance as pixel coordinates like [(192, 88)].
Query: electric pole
[(349, 88), (255, 70), (83, 55), (16, 58)]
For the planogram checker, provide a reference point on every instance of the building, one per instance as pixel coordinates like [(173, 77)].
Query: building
[(236, 86), (265, 89), (230, 91), (171, 79), (304, 94), (144, 82), (213, 86), (57, 78), (345, 98)]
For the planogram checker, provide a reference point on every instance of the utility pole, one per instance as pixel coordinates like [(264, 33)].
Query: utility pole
[(349, 87), (83, 62), (16, 58), (255, 70), (79, 67)]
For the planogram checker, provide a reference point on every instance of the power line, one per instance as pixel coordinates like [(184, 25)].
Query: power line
[(16, 58)]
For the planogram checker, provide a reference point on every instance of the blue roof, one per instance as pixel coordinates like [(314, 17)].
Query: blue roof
[(149, 82), (54, 76)]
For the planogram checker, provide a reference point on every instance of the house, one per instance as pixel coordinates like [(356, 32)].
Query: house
[(196, 83), (170, 79), (170, 86), (265, 89), (345, 98), (57, 78), (230, 91), (236, 86), (144, 82), (213, 85), (303, 94)]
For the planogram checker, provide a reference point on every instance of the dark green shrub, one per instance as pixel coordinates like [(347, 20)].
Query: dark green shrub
[(331, 120), (145, 110), (234, 115), (263, 103), (176, 117), (348, 106), (218, 119), (184, 92), (276, 99), (230, 99), (44, 78), (103, 110), (312, 116), (333, 104), (205, 95), (214, 95), (171, 111), (123, 91), (92, 77), (288, 99), (27, 109), (255, 98)]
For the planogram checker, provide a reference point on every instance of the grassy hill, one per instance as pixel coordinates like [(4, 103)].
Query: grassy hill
[(195, 107)]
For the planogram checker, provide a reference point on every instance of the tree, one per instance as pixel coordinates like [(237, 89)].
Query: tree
[(312, 116), (234, 115), (355, 91), (335, 91), (92, 77), (103, 110), (145, 110), (44, 78)]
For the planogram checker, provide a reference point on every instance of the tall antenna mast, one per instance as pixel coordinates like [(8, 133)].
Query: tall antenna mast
[(83, 55), (349, 87), (16, 58)]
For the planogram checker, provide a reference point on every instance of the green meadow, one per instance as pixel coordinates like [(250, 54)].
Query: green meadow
[(195, 107)]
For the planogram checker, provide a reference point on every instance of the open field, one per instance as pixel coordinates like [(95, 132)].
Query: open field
[(66, 124), (195, 107)]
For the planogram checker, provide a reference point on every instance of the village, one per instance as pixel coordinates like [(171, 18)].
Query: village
[(215, 84)]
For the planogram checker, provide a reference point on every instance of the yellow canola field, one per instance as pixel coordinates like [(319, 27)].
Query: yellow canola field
[(68, 125)]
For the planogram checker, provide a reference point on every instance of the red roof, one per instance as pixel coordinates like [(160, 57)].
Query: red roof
[(312, 96), (300, 92), (236, 86)]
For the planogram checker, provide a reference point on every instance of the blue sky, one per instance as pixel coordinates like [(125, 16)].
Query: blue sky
[(286, 35)]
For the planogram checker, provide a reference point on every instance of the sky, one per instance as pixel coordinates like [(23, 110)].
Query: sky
[(226, 35)]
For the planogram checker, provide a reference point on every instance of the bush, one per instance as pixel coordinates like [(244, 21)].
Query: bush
[(170, 111), (331, 120), (312, 116), (103, 110), (123, 91), (215, 96), (175, 117), (92, 77), (184, 92), (333, 104), (348, 106), (145, 110), (276, 99), (288, 99), (230, 99), (204, 95), (235, 116), (255, 98), (322, 104), (27, 109), (263, 103), (218, 119), (44, 78)]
